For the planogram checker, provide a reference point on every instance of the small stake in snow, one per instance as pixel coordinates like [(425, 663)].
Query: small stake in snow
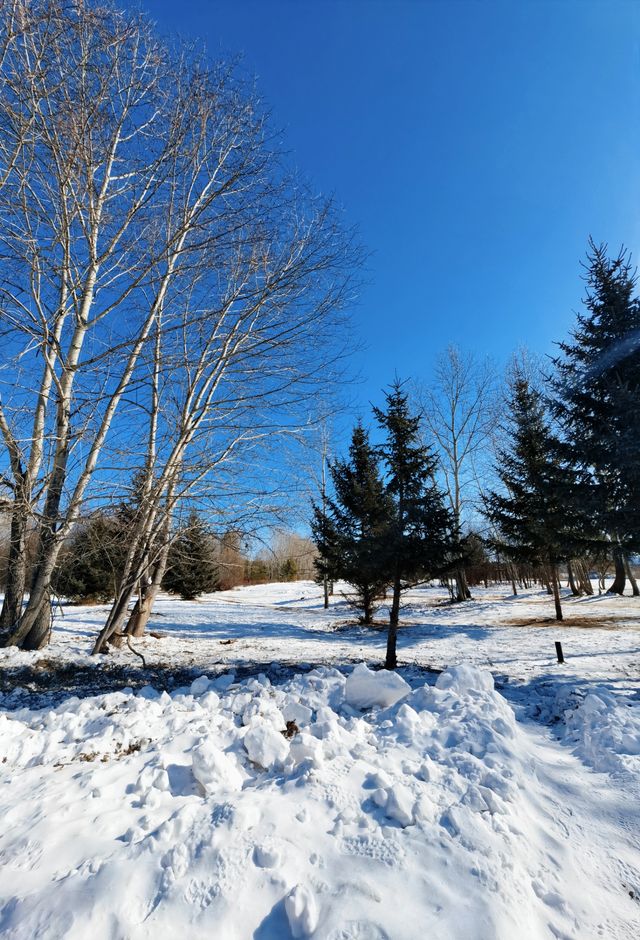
[(559, 652)]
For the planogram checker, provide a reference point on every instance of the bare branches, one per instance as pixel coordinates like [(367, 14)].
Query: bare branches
[(162, 281), (459, 409)]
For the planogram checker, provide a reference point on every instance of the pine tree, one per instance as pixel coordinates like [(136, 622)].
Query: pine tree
[(419, 543), (350, 532), (533, 514), (597, 400), (289, 570), (192, 569), (92, 561)]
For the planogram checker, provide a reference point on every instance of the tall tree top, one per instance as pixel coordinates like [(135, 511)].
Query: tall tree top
[(409, 462), (604, 348)]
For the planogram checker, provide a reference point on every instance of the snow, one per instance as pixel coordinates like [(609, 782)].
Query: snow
[(604, 730), (265, 744), (302, 911), (366, 688), (489, 801), (213, 770)]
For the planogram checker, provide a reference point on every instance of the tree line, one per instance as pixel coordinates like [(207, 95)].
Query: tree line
[(562, 487), (199, 560)]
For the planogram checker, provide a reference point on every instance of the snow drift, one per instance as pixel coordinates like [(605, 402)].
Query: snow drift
[(385, 812)]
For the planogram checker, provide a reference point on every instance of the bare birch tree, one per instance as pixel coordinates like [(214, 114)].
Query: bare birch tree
[(459, 409), (149, 241)]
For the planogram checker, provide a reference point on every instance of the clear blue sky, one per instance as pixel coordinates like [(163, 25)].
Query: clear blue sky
[(476, 145)]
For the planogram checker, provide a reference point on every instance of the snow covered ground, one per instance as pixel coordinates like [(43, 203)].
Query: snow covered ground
[(498, 799)]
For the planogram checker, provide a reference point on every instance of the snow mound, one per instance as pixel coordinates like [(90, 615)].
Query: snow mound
[(302, 911), (368, 689), (200, 685), (604, 730), (139, 815), (465, 680), (213, 769), (266, 746)]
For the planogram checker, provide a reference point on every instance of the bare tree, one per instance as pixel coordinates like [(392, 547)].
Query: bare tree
[(77, 247), (151, 244), (459, 409)]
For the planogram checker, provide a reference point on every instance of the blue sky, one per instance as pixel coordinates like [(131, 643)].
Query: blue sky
[(475, 144)]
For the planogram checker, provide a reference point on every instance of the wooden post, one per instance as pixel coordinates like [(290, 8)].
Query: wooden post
[(559, 652)]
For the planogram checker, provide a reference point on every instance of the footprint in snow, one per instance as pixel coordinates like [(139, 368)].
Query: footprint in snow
[(22, 855)]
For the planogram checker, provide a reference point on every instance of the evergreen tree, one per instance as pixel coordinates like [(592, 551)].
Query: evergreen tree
[(192, 569), (92, 560), (533, 514), (419, 543), (289, 570), (597, 399), (350, 533)]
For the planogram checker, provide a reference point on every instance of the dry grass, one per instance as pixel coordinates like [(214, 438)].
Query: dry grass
[(580, 623)]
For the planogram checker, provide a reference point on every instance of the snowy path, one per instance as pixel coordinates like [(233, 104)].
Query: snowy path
[(591, 835)]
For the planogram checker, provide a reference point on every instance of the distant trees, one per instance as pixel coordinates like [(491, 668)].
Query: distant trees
[(387, 525), (596, 397), (91, 560), (460, 406), (231, 559), (290, 556)]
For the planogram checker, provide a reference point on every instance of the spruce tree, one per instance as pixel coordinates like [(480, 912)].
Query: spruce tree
[(419, 542), (191, 569), (91, 563), (289, 570), (597, 400), (350, 531), (532, 514)]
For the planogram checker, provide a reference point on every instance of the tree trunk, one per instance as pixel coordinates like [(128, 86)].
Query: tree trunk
[(583, 577), (144, 605), (325, 588), (366, 608), (391, 660), (620, 577), (16, 574), (115, 620), (448, 583), (141, 612), (462, 588), (572, 581), (553, 572), (40, 633), (632, 581), (33, 629)]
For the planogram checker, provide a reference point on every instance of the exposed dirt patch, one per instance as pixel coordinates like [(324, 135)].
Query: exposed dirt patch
[(580, 623)]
